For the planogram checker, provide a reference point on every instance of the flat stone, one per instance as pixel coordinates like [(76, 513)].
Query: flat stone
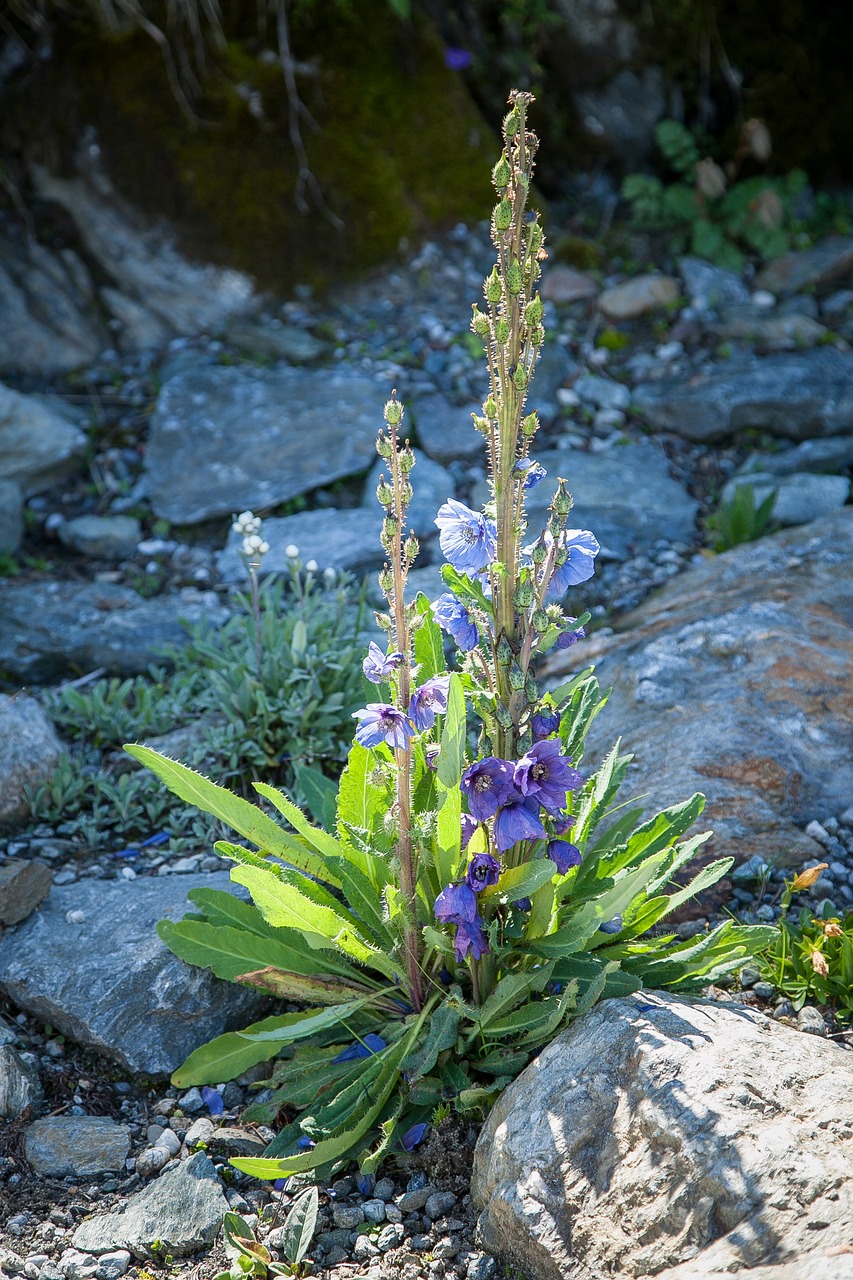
[(432, 485), (821, 265), (183, 1209), (29, 753), (23, 885), (800, 498), (710, 286), (565, 284), (50, 629), (132, 1000), (223, 439), (604, 393), (237, 1142), (11, 516), (636, 297), (19, 1084), (37, 445), (76, 1146), (102, 537), (657, 1132), (734, 680), (444, 430), (819, 1264), (835, 453), (796, 396), (769, 333), (277, 342), (347, 540)]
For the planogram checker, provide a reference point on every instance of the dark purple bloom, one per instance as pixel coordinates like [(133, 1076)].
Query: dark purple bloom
[(428, 700), (452, 616), (470, 938), (456, 904), (457, 59), (487, 784), (413, 1136), (523, 904), (532, 471), (544, 773), (364, 1048), (562, 823), (483, 870), (365, 1182), (544, 723), (468, 540), (212, 1100), (563, 855), (378, 665), (611, 926), (381, 722), (305, 1143), (469, 826), (579, 564), (518, 819), (566, 639)]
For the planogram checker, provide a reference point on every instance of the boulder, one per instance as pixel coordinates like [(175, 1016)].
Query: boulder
[(132, 1000), (224, 439), (636, 297), (342, 540), (769, 333), (20, 1086), (38, 445), (566, 284), (657, 1133), (825, 263), (29, 754), (735, 680), (445, 431), (23, 885), (797, 396), (11, 517), (49, 629), (76, 1146), (102, 537), (708, 286), (800, 498)]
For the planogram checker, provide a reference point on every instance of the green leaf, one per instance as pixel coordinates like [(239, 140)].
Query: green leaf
[(230, 951), (300, 1225), (585, 920), (441, 1035), (304, 1024), (241, 815), (465, 588), (361, 803), (521, 881), (223, 908), (319, 791), (429, 642), (321, 840), (448, 775), (229, 1055), (512, 989)]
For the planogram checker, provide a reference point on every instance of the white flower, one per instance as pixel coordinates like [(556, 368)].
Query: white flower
[(255, 545), (246, 524), (312, 566), (329, 574), (291, 551)]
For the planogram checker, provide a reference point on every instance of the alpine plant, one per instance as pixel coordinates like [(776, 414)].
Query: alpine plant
[(479, 886)]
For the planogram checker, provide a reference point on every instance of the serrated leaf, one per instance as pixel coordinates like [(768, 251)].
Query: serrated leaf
[(229, 951), (319, 791), (301, 987), (441, 1035), (321, 840)]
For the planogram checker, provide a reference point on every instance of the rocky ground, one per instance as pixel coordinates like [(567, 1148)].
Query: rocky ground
[(658, 392)]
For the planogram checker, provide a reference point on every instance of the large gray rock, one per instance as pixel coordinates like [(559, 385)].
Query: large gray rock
[(37, 445), (638, 296), (832, 1263), (347, 540), (11, 517), (29, 754), (827, 262), (102, 537), (622, 113), (49, 629), (183, 1209), (710, 286), (798, 396), (131, 999), (800, 498), (76, 1146), (735, 680), (793, 332), (834, 453), (657, 1132), (23, 885), (19, 1084), (224, 439), (445, 431)]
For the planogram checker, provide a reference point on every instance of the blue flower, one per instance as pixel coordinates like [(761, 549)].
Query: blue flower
[(483, 870), (383, 723), (563, 855), (456, 904), (429, 699), (212, 1100), (579, 565), (611, 926), (377, 665), (470, 938), (413, 1136), (517, 819), (533, 472), (468, 540), (545, 722), (487, 784), (469, 826), (452, 616), (544, 773), (457, 59), (364, 1048), (566, 639)]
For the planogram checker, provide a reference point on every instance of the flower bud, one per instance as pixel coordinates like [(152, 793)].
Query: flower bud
[(561, 557), (523, 595), (406, 493), (535, 237), (412, 547), (504, 652), (832, 929), (383, 446), (807, 878), (480, 323), (819, 963), (385, 579), (501, 331), (384, 492), (516, 677), (514, 278), (531, 689), (390, 525), (503, 717), (501, 173), (492, 287), (540, 621), (407, 461), (512, 123), (530, 425), (537, 337), (383, 621), (393, 412), (480, 424), (563, 500), (490, 407), (534, 311), (525, 742), (539, 552), (756, 138), (519, 377), (503, 215), (556, 524)]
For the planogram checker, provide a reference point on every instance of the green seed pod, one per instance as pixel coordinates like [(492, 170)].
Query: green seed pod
[(504, 652), (383, 620), (501, 331), (490, 407), (530, 426), (379, 776), (555, 615), (512, 123), (386, 580), (480, 424), (384, 493), (520, 378), (503, 717), (406, 493), (531, 691), (525, 742), (523, 595), (407, 460), (561, 557), (539, 552), (492, 287), (503, 215), (412, 547), (556, 524), (516, 677), (563, 500), (480, 323), (535, 237), (534, 311), (390, 525), (501, 173), (393, 412), (537, 337), (514, 278), (540, 621), (383, 446)]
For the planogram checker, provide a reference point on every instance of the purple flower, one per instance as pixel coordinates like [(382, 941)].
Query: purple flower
[(452, 616), (212, 1100), (544, 773), (413, 1136), (365, 1182), (523, 904), (544, 723), (483, 870), (383, 723), (611, 926), (518, 819), (562, 823), (532, 471), (563, 855), (487, 784), (566, 639), (377, 665), (468, 540), (457, 59), (361, 1049), (579, 565), (469, 826), (456, 904), (430, 698), (470, 938)]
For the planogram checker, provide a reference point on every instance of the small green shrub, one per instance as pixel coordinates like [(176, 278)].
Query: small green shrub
[(248, 1257), (812, 956), (741, 520)]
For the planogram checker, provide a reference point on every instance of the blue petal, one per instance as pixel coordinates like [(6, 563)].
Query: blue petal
[(212, 1100), (413, 1136)]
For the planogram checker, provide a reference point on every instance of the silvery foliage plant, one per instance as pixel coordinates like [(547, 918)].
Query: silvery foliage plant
[(478, 888)]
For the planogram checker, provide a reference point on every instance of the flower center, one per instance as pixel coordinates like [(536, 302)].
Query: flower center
[(482, 782)]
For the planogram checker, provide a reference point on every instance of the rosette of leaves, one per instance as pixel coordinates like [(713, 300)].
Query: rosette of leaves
[(439, 929)]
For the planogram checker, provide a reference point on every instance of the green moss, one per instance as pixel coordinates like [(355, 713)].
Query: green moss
[(398, 143)]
